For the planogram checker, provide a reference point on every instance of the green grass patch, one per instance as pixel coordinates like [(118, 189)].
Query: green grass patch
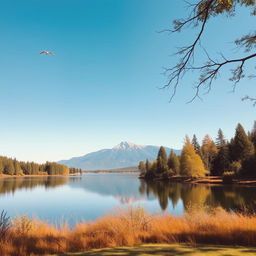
[(170, 250)]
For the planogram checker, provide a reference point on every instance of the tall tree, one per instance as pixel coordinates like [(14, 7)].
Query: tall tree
[(209, 152), (221, 162), (162, 163), (191, 163), (252, 135), (220, 140), (174, 162), (196, 145), (242, 148)]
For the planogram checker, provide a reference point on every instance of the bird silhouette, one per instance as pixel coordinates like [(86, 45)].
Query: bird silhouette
[(47, 53)]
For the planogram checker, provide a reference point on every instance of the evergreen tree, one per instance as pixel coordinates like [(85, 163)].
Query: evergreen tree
[(220, 140), (252, 135), (191, 163), (221, 163), (162, 165), (196, 145), (242, 148), (174, 162)]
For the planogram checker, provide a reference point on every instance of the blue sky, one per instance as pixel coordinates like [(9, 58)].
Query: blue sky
[(101, 87)]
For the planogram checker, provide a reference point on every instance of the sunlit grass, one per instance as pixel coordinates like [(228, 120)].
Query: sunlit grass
[(130, 227)]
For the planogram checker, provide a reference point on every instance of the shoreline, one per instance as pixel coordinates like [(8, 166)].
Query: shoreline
[(37, 175), (210, 180)]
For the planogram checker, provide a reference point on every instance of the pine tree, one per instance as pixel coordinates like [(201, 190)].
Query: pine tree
[(174, 162), (252, 135), (162, 165), (221, 163), (220, 140), (242, 148), (196, 145), (190, 163)]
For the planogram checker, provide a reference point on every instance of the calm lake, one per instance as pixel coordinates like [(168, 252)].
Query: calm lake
[(88, 197)]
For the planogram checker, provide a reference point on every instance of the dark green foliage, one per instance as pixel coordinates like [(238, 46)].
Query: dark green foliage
[(174, 163), (248, 168), (196, 146), (221, 162), (162, 163), (228, 177), (252, 135), (11, 166), (241, 148), (220, 140)]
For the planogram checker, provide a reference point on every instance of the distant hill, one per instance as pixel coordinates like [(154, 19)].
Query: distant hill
[(123, 155)]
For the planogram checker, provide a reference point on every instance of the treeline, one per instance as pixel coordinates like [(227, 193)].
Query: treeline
[(221, 157), (11, 166)]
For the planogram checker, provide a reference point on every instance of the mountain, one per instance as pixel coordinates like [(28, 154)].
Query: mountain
[(125, 154)]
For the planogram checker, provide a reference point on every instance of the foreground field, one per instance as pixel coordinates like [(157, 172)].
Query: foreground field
[(171, 250), (130, 227)]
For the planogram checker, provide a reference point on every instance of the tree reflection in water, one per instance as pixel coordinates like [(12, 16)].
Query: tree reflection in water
[(10, 185), (229, 197)]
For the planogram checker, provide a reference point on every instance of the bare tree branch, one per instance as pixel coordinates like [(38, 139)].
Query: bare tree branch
[(209, 71)]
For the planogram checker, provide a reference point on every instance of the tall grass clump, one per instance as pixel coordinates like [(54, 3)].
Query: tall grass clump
[(24, 236)]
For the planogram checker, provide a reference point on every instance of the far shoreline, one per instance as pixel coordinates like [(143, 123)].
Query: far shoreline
[(37, 175)]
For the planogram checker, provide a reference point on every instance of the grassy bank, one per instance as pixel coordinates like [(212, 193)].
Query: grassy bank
[(128, 228), (171, 250)]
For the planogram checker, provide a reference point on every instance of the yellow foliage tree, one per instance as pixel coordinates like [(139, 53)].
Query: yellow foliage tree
[(209, 152), (191, 163)]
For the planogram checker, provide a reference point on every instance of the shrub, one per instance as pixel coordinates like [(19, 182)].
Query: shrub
[(228, 177)]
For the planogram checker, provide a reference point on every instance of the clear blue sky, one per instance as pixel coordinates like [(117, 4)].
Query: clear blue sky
[(101, 87)]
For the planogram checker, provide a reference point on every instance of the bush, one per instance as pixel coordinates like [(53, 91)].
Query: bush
[(235, 167), (228, 177), (168, 174), (4, 226)]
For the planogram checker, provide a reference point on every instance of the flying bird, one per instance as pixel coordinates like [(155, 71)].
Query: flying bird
[(47, 53)]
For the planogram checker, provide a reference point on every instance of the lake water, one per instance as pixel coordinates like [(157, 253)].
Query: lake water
[(90, 196)]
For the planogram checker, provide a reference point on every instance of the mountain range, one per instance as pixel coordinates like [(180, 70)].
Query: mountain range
[(125, 154)]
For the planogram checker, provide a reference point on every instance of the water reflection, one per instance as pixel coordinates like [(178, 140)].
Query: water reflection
[(231, 198), (11, 185), (91, 196)]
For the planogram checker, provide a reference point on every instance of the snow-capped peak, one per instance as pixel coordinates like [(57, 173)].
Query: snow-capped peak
[(127, 145)]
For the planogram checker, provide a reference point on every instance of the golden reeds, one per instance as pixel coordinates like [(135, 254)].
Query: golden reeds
[(129, 227)]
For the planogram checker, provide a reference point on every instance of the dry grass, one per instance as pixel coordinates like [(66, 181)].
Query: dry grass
[(128, 228)]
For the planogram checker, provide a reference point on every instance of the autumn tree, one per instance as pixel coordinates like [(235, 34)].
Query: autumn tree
[(162, 163), (209, 152), (207, 68), (148, 165), (190, 163), (174, 162), (142, 167)]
